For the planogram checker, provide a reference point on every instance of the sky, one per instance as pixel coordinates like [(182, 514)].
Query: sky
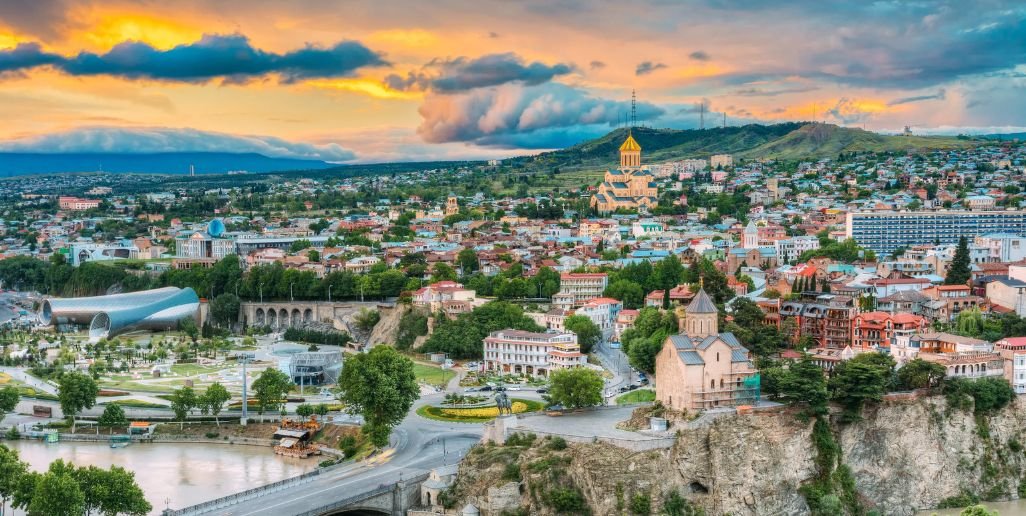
[(410, 80)]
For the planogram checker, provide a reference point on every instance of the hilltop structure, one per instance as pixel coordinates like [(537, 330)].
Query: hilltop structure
[(702, 368), (630, 187)]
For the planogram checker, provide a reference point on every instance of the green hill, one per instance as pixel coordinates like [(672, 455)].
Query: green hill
[(826, 140), (792, 140), (659, 145)]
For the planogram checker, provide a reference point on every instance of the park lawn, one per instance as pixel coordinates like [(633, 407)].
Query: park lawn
[(638, 396), (32, 392), (135, 403), (192, 369), (139, 387), (5, 378), (432, 375)]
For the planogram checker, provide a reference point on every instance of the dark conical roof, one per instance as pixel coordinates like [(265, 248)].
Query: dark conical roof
[(702, 304)]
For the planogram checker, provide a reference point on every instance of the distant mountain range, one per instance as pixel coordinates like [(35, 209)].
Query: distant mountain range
[(791, 140), (13, 164)]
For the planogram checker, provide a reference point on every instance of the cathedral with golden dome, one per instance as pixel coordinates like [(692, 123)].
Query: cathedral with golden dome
[(631, 186)]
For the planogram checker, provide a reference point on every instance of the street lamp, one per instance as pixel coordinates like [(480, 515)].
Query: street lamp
[(261, 293), (291, 297), (329, 293)]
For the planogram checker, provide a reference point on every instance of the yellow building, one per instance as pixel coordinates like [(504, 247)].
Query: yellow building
[(452, 205), (631, 186)]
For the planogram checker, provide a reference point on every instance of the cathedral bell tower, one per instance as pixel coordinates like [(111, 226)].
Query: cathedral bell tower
[(630, 153)]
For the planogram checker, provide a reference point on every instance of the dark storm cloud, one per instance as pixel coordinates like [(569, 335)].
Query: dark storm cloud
[(648, 67), (759, 92), (908, 100), (464, 74), (229, 57), (25, 56), (699, 55)]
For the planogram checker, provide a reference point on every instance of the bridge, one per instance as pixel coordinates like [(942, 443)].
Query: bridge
[(388, 484), (285, 314)]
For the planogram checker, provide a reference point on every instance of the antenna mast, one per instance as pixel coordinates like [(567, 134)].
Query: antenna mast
[(634, 109), (701, 114)]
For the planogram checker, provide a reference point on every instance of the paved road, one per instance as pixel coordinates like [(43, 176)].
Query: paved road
[(418, 446), (616, 362)]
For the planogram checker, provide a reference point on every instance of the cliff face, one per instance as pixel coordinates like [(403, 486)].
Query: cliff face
[(904, 455)]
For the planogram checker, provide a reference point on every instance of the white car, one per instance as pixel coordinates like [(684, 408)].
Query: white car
[(514, 387)]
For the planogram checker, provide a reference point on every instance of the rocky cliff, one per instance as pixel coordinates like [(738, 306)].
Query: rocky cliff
[(904, 455)]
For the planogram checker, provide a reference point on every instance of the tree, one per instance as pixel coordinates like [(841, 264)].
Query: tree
[(113, 415), (863, 378), (462, 338), (224, 309), (271, 389), (467, 261), (629, 292), (188, 326), (111, 491), (960, 270), (12, 469), (182, 401), (920, 374), (57, 493), (803, 382), (321, 409), (442, 272), (977, 510), (76, 392), (213, 400), (588, 333), (575, 388), (304, 410), (9, 398), (380, 386)]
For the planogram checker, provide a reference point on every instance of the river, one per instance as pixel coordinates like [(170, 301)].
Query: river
[(175, 474)]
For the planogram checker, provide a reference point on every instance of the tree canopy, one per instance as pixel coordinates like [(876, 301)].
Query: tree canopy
[(379, 385), (575, 388)]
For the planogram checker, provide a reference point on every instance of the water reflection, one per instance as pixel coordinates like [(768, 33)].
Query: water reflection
[(185, 474)]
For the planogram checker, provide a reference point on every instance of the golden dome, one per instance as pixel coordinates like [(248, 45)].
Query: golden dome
[(630, 144)]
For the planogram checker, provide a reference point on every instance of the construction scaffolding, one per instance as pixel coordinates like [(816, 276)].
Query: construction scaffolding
[(315, 367)]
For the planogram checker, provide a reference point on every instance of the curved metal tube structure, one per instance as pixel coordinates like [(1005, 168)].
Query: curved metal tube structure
[(81, 310), (162, 314)]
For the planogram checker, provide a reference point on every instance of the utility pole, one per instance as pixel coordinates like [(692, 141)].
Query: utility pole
[(634, 109), (244, 358)]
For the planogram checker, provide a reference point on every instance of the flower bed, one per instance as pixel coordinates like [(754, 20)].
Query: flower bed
[(475, 414)]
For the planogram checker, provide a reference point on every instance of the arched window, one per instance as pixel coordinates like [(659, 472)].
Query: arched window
[(717, 356), (712, 384)]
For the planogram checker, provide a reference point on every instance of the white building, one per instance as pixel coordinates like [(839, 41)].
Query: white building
[(602, 311), (577, 287), (789, 249), (536, 354)]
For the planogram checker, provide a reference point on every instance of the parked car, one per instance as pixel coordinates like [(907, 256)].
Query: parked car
[(486, 388), (543, 390)]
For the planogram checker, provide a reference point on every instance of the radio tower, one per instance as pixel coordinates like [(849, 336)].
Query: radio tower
[(634, 109)]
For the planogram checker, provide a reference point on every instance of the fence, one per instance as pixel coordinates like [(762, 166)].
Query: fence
[(161, 438)]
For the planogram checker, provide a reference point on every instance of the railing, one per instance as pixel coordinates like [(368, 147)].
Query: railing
[(365, 495), (232, 499)]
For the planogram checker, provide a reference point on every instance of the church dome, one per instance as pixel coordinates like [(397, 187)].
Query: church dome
[(630, 144)]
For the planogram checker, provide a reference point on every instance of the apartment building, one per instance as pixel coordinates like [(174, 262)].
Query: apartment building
[(885, 231), (77, 203), (536, 354), (1003, 247), (602, 311), (879, 330), (577, 287), (789, 249)]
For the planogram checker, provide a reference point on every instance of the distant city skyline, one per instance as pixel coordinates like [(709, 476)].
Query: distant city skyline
[(403, 81)]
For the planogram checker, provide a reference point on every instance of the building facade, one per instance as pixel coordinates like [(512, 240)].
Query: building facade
[(535, 354), (702, 368), (885, 231), (630, 187)]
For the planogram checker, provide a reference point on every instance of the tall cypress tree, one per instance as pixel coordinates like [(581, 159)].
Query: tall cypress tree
[(959, 271)]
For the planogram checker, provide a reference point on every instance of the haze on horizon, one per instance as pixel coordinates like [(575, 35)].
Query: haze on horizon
[(400, 80)]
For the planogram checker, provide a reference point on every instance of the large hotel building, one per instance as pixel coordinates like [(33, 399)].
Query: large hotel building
[(885, 231)]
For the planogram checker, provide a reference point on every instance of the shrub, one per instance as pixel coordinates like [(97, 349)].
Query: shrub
[(1014, 445), (519, 439), (557, 443), (512, 472), (212, 435), (641, 504), (676, 505), (567, 500), (963, 500)]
